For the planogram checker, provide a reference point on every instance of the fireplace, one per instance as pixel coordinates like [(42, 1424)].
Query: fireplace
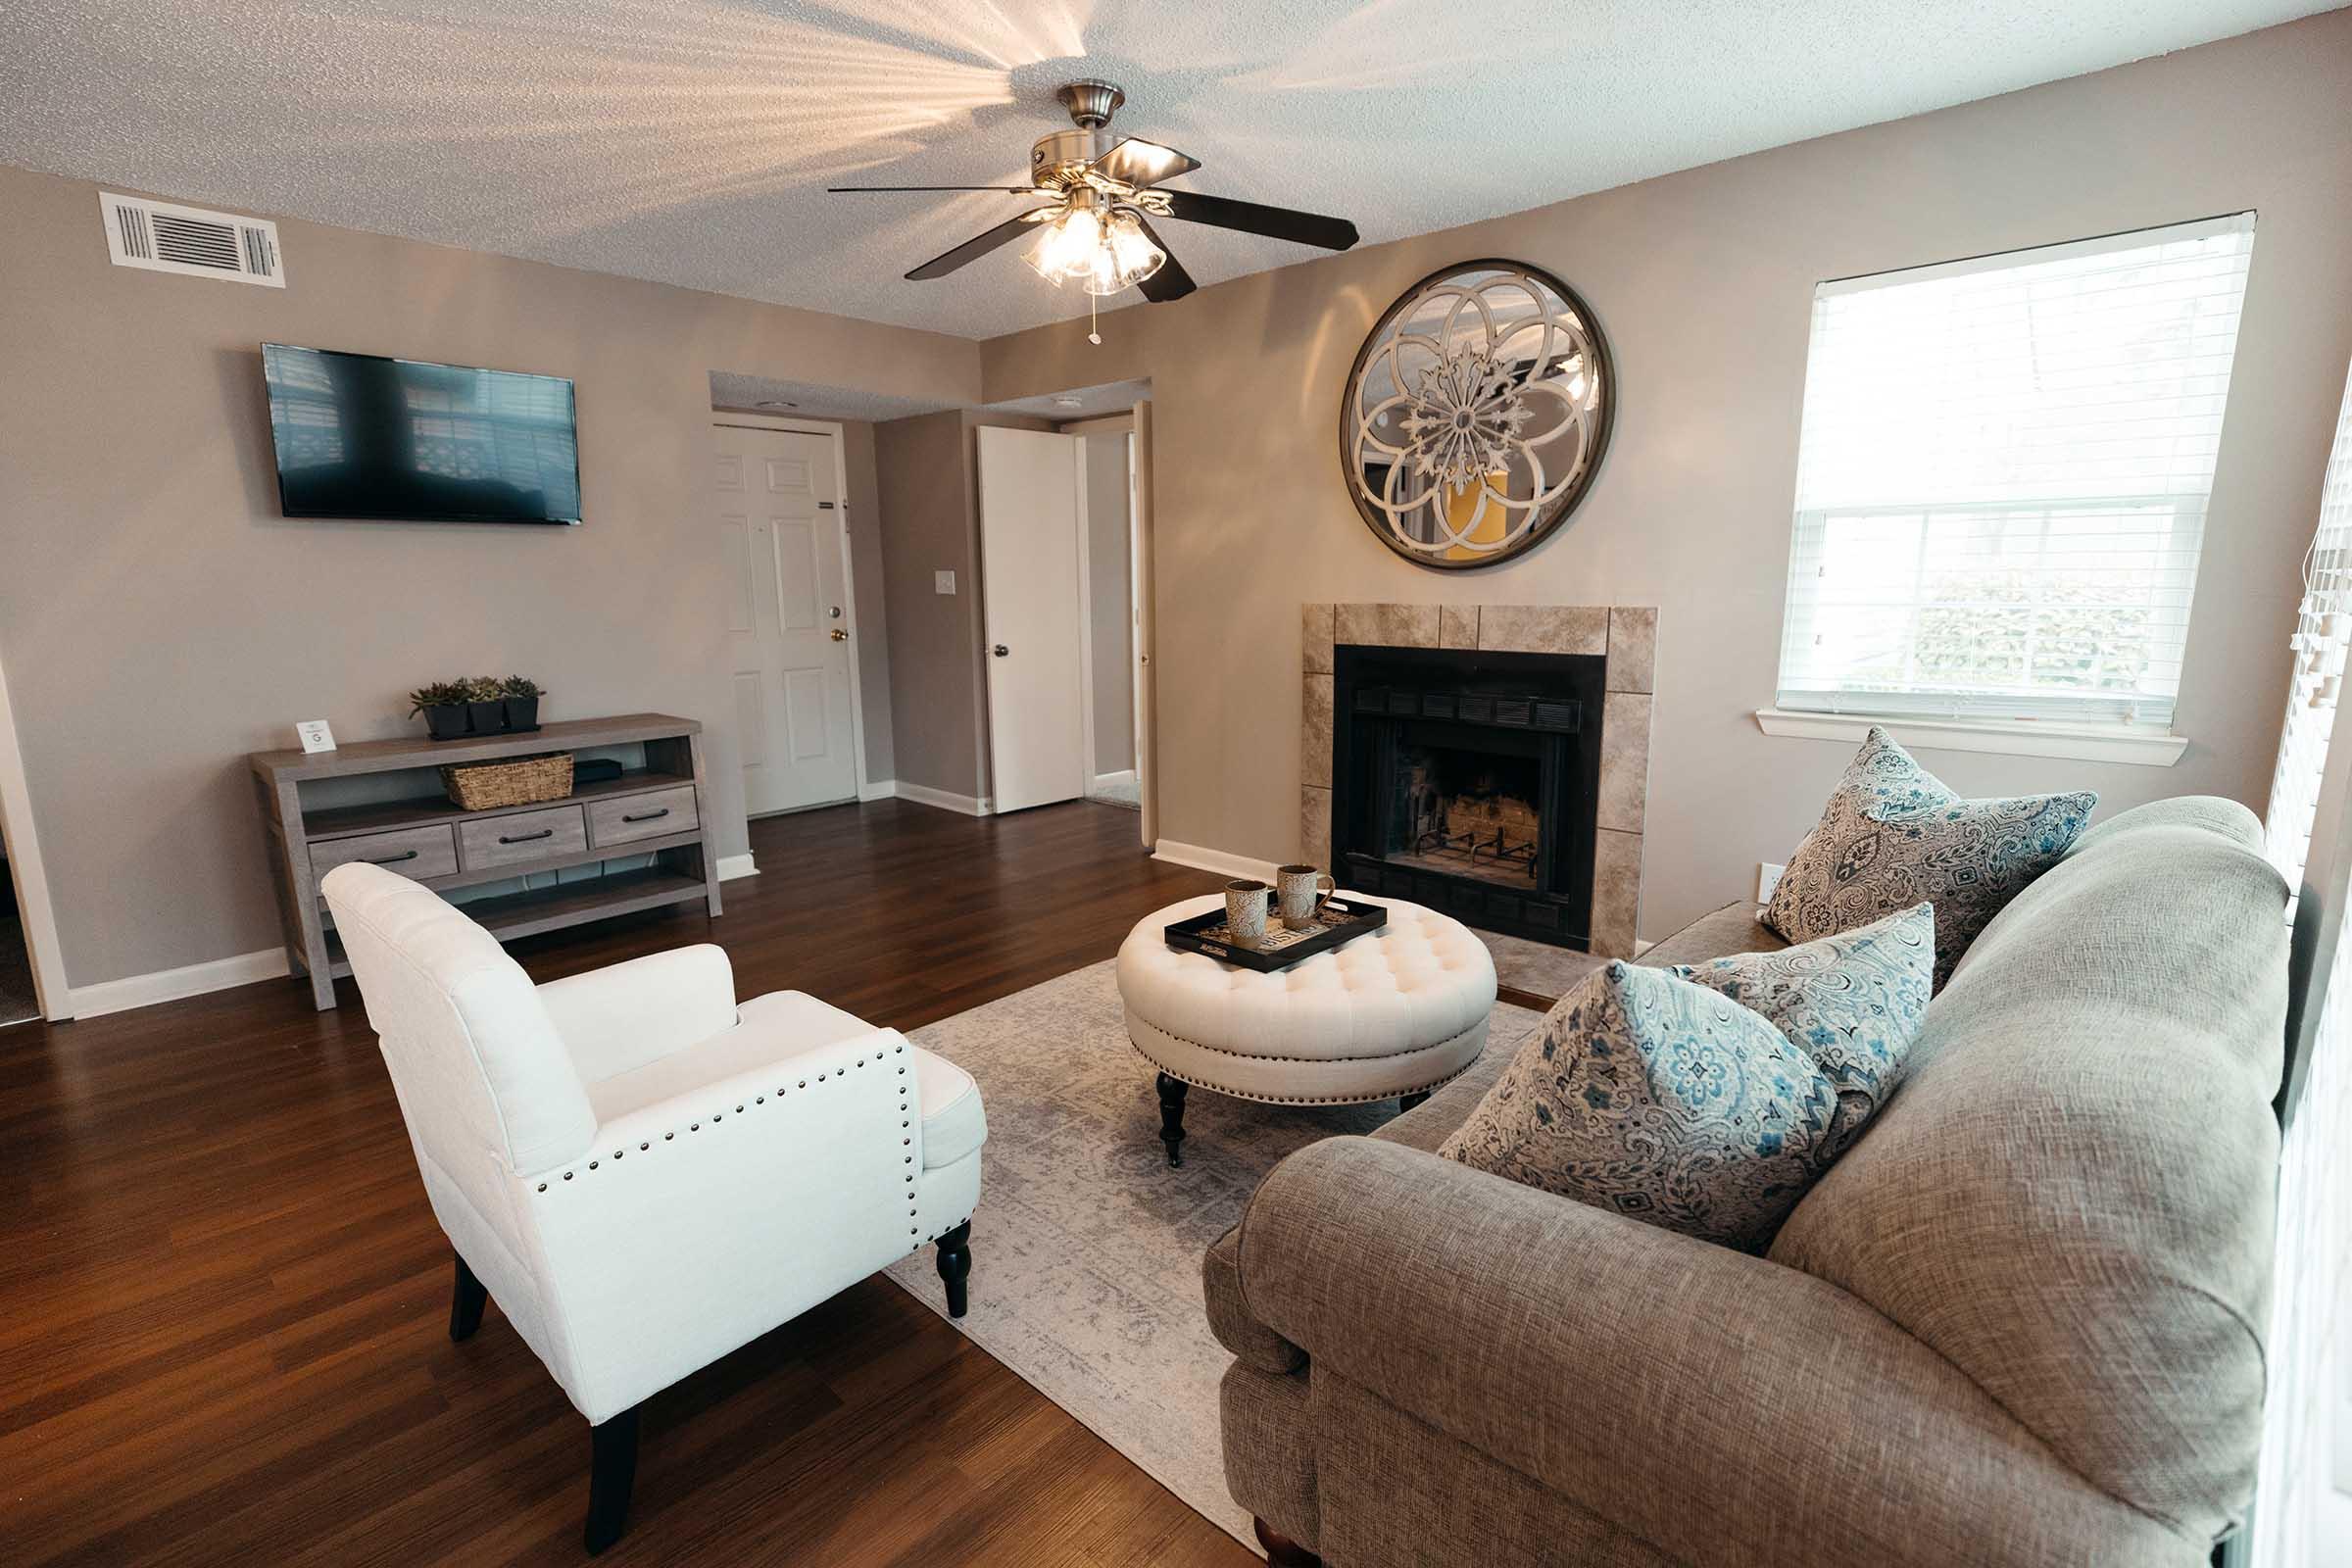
[(1468, 781)]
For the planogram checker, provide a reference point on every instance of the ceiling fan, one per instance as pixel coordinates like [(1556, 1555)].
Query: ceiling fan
[(1095, 228)]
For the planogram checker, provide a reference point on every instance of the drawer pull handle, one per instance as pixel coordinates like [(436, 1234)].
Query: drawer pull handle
[(526, 838), (648, 817), (395, 860)]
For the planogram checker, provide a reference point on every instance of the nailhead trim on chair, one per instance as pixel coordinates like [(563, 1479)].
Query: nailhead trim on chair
[(760, 1100)]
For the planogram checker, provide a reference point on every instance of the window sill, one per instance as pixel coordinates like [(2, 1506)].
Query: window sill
[(2018, 737)]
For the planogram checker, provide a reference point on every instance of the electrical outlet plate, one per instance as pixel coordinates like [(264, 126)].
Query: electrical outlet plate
[(943, 582), (1768, 877)]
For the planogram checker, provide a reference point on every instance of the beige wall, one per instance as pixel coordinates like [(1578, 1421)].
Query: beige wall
[(159, 617), (929, 474), (1703, 282)]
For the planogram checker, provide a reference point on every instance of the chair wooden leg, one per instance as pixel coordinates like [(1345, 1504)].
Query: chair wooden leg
[(956, 1266), (1282, 1551), (612, 1474), (466, 1301)]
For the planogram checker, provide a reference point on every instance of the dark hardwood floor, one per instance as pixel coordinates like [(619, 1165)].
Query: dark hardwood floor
[(224, 1303)]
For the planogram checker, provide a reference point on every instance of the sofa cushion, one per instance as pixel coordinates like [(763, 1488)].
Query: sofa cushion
[(2070, 1197), (1851, 1002), (1661, 1100), (1892, 835)]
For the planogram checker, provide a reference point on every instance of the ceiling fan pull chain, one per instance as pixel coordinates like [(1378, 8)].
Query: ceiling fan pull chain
[(1094, 324)]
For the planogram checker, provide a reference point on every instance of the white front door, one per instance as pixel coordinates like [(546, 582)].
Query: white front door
[(779, 532), (1032, 489)]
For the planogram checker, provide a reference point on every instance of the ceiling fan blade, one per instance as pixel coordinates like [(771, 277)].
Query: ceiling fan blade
[(1278, 223), (1171, 281), (971, 250), (855, 191), (1139, 163)]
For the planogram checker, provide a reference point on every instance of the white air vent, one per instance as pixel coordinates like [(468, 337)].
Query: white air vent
[(164, 238)]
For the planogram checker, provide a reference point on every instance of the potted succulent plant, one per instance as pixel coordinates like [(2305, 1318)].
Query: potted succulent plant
[(521, 696), (443, 705), (485, 704)]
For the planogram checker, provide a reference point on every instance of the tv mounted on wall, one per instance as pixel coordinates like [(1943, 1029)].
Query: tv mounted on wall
[(363, 437)]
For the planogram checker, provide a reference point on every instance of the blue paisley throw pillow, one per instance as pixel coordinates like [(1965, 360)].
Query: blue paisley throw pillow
[(1851, 1002), (1662, 1100), (1893, 835)]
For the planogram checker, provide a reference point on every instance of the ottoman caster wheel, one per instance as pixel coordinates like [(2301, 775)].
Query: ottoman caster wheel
[(1171, 1116)]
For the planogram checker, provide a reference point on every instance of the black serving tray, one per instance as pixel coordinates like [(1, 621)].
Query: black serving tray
[(1205, 934)]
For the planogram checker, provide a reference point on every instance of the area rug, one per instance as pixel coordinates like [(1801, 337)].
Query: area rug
[(1086, 1249)]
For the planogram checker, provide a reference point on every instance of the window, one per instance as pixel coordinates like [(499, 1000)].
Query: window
[(2300, 1492), (2002, 479)]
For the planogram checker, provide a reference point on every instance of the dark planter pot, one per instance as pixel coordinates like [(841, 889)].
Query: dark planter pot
[(488, 718), (445, 722), (523, 712)]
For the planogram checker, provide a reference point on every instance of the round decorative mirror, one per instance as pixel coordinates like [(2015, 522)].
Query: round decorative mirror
[(1477, 415)]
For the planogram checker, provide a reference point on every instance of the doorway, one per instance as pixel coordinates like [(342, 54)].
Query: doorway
[(790, 615), (1109, 458), (1033, 529), (33, 977)]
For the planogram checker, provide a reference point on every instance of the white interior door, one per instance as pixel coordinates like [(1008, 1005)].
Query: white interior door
[(1031, 506), (788, 633)]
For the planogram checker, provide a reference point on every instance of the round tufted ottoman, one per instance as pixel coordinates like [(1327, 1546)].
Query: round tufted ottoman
[(1398, 1011)]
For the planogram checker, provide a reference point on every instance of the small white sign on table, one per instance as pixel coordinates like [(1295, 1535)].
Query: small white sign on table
[(316, 736)]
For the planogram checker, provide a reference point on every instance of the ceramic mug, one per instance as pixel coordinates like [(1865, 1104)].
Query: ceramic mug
[(1299, 891), (1245, 911)]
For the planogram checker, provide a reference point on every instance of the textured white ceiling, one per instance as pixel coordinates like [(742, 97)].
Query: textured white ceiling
[(689, 140)]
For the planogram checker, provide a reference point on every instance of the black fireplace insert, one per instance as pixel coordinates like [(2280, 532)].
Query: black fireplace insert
[(1469, 781)]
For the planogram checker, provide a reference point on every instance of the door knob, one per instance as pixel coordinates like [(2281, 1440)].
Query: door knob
[(840, 636), (1001, 649)]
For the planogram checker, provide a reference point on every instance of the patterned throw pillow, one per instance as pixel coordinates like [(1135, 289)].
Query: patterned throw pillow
[(1892, 835), (1662, 1100), (1851, 1002)]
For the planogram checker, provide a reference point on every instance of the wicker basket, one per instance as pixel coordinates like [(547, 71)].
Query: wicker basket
[(480, 786)]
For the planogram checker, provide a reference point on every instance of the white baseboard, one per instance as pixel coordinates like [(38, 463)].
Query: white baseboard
[(878, 789), (731, 866), (1115, 781), (1201, 859), (169, 984), (944, 800)]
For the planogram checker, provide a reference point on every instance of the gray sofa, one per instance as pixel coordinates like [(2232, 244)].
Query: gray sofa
[(2019, 1322)]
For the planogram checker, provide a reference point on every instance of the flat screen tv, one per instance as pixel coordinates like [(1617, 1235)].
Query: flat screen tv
[(361, 437)]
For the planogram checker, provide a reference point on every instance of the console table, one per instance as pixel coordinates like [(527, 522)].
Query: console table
[(323, 808)]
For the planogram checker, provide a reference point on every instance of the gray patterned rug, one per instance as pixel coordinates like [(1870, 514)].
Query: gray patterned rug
[(1086, 1249)]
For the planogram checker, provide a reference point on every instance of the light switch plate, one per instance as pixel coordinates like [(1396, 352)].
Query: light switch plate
[(1768, 877), (943, 582)]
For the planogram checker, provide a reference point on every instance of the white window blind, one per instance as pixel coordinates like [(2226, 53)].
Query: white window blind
[(2003, 474), (2301, 1496)]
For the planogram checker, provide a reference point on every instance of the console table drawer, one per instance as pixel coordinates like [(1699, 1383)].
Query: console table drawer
[(413, 851), (523, 836), (650, 815)]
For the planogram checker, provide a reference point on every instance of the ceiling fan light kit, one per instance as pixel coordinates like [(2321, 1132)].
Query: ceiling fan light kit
[(1097, 228)]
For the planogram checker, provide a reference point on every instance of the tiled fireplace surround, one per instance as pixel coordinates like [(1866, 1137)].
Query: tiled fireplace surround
[(1625, 635)]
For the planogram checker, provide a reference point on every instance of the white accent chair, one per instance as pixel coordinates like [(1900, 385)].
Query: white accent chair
[(642, 1173)]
